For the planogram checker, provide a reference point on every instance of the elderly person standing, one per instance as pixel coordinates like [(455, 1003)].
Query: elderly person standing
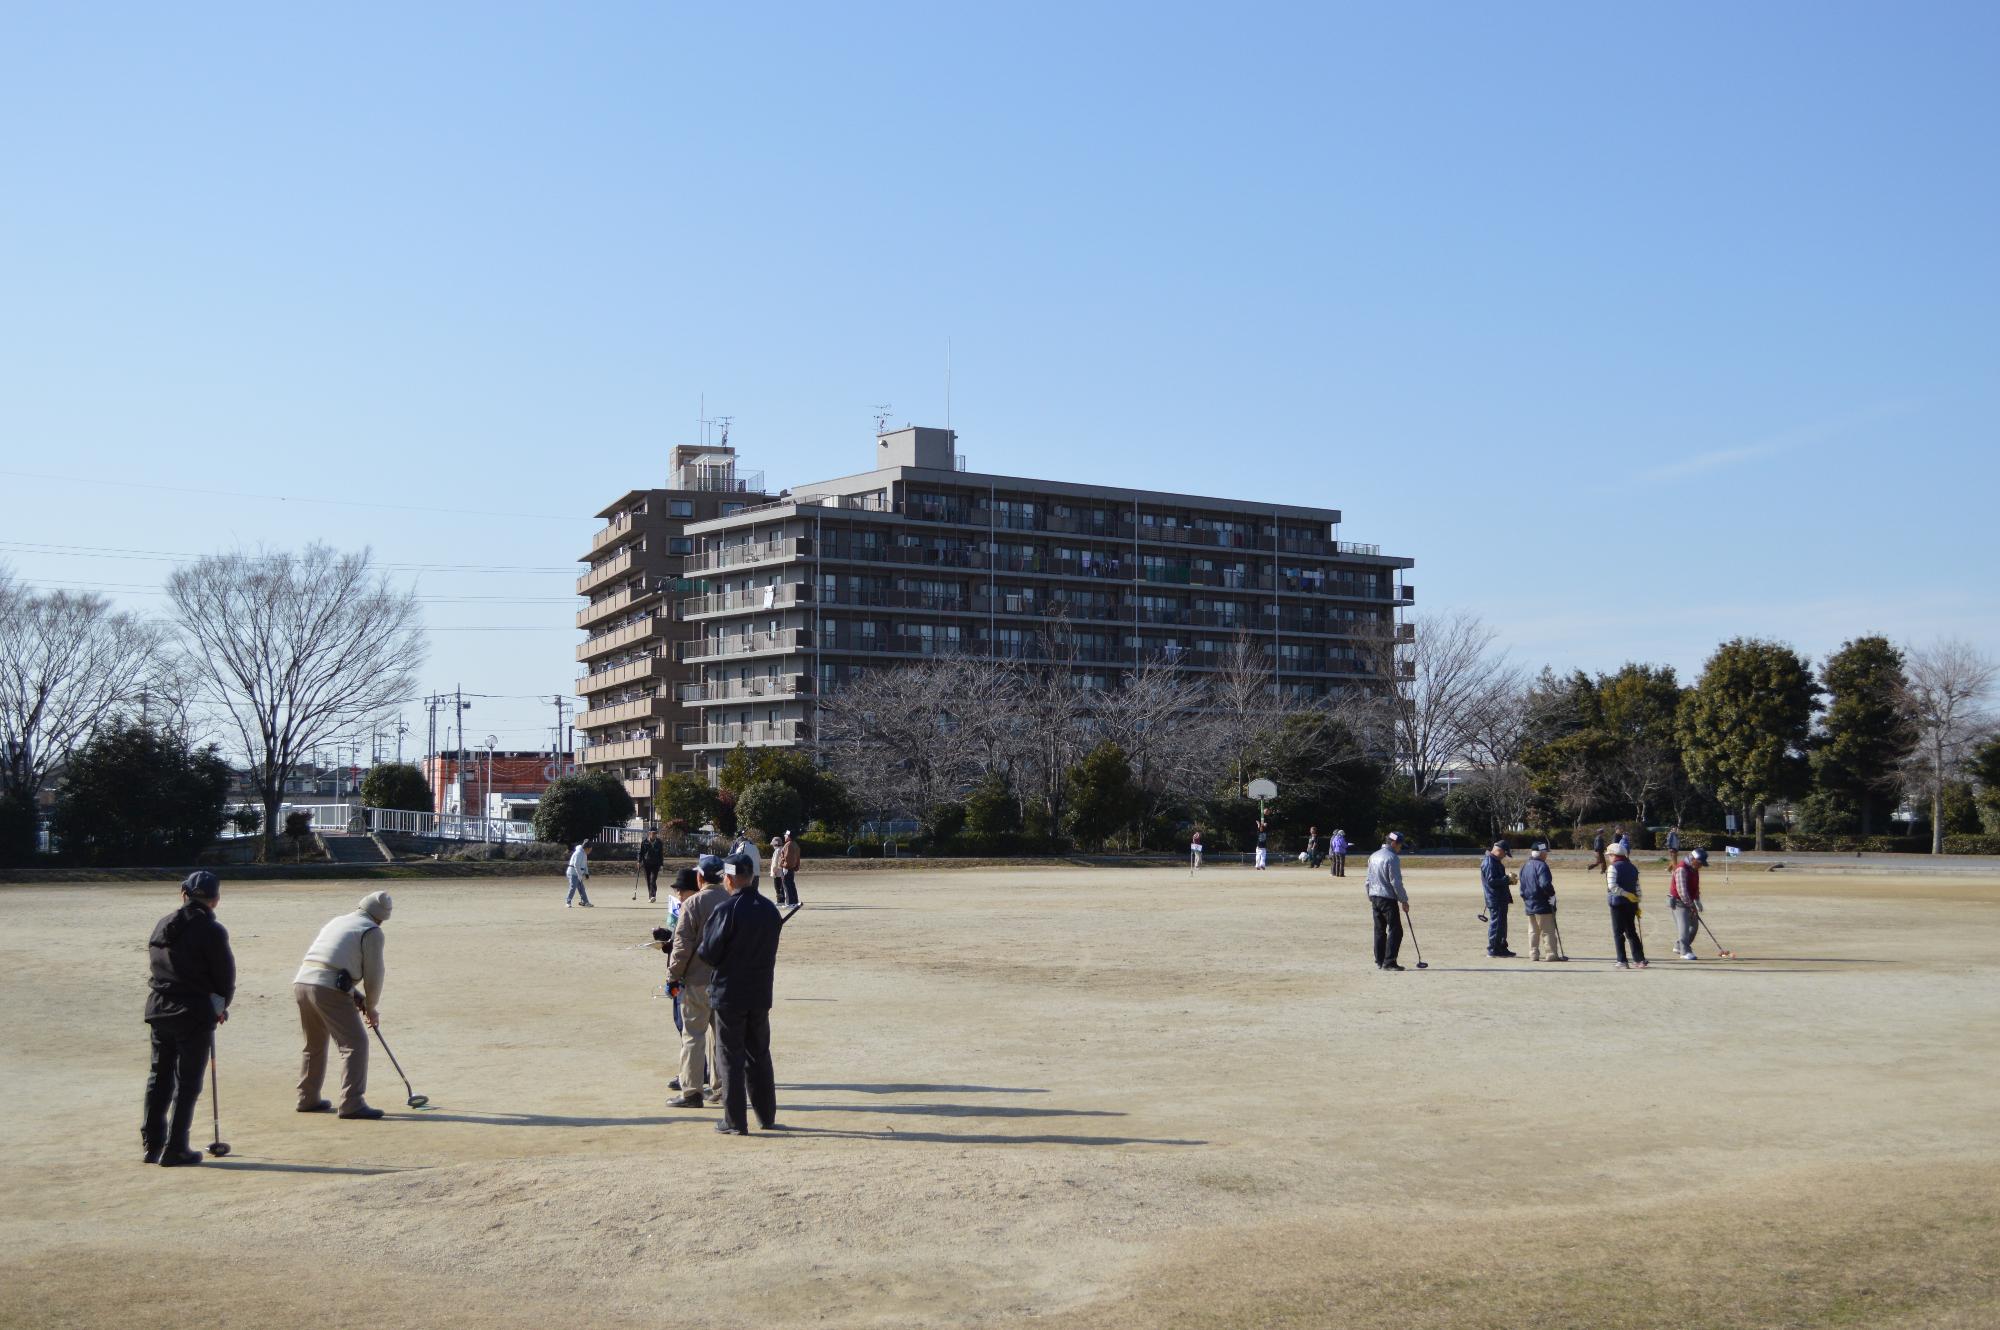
[(741, 941), (1385, 896), (1538, 900), (577, 872), (1337, 848), (688, 977), (1495, 882), (1621, 884), (337, 988), (193, 982)]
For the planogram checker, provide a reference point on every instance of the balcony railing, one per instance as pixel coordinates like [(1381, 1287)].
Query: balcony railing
[(616, 566), (615, 530), (746, 644), (624, 750), (741, 690), (650, 626), (721, 478), (625, 672), (599, 610), (778, 597), (619, 713), (753, 733), (742, 556)]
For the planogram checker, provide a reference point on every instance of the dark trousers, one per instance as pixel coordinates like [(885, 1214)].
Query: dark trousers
[(1624, 927), (785, 886), (652, 881), (1496, 929), (743, 1047), (1340, 863), (180, 1051), (1388, 929)]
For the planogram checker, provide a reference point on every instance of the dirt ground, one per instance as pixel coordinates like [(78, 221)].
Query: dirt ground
[(1075, 1097)]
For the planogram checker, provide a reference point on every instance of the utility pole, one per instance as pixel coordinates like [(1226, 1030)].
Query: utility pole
[(556, 736), (458, 773), (402, 728)]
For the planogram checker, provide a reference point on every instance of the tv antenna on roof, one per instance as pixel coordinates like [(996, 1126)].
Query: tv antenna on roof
[(723, 423), (881, 410)]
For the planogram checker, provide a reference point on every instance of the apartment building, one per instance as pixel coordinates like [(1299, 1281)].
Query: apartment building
[(919, 557), (631, 720)]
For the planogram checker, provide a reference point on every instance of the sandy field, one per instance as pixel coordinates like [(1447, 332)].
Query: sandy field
[(1072, 1097)]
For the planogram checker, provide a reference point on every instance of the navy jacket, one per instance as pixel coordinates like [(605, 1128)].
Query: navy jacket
[(1493, 877), (741, 942), (191, 959), (1538, 888)]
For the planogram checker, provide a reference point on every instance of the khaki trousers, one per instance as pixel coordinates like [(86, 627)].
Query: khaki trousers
[(697, 1035), (328, 1013), (1542, 926)]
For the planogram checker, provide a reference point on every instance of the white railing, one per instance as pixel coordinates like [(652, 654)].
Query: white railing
[(461, 827)]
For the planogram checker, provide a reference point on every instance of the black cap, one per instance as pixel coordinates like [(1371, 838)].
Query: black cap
[(202, 885), (1501, 846), (687, 880)]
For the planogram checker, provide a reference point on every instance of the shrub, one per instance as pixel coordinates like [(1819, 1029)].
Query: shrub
[(396, 785), (139, 795), (572, 810), (1103, 799), (617, 800), (992, 809), (684, 798), (247, 821), (943, 823), (1970, 844), (769, 806)]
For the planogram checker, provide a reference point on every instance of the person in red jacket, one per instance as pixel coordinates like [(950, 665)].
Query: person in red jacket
[(1684, 898)]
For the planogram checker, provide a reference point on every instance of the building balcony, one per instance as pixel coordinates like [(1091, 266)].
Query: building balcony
[(618, 676), (605, 643), (738, 645), (1407, 594), (625, 750), (755, 734), (622, 713), (745, 690), (618, 601), (621, 528), (642, 791), (782, 596), (616, 566), (746, 556)]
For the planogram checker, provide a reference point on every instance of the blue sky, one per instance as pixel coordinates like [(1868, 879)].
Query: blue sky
[(1638, 329)]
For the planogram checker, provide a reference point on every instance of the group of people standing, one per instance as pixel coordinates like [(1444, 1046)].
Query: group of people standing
[(1387, 898), (785, 860)]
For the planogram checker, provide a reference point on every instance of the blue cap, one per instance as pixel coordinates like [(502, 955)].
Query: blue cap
[(710, 868), (202, 885)]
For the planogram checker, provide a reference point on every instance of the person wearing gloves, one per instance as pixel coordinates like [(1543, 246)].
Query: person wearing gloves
[(688, 977), (1684, 899), (1496, 882), (579, 869), (1385, 896), (1621, 881), (1538, 900), (337, 988), (193, 982)]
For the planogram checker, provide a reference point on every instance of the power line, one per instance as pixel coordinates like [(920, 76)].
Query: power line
[(287, 498), (149, 589), (171, 556)]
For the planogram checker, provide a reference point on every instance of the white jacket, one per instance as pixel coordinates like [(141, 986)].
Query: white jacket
[(1385, 875), (353, 943), (579, 863)]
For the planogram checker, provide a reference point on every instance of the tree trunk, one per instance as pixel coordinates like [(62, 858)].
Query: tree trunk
[(1758, 813), (1937, 818), (271, 802)]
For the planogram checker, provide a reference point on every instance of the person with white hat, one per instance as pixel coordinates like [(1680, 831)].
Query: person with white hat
[(337, 988), (1385, 896), (1621, 881), (1684, 899)]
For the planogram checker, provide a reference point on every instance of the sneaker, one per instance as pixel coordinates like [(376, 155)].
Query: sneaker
[(714, 1095), (1689, 956), (171, 1158), (318, 1106), (152, 1154), (588, 906), (363, 1114), (674, 1084), (1640, 965), (685, 1101), (1392, 966), (724, 1129), (1619, 965)]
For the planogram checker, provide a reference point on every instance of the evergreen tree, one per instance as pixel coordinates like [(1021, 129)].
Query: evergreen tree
[(1865, 734), (137, 794), (1744, 728)]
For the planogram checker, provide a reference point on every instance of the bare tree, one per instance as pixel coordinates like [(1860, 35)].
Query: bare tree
[(1447, 689), (1242, 705), (295, 648), (1156, 716), (69, 665), (895, 735), (1948, 686)]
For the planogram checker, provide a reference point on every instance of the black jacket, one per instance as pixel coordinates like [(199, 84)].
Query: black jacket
[(1493, 880), (652, 853), (191, 959), (741, 942)]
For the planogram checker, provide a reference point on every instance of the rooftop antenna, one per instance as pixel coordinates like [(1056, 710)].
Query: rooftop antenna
[(881, 410), (723, 422), (947, 383)]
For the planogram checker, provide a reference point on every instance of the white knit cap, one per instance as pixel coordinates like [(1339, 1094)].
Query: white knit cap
[(376, 905)]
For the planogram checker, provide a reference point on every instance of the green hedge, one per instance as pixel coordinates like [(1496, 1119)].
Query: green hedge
[(1983, 844)]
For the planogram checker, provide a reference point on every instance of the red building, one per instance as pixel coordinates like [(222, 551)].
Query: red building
[(505, 776)]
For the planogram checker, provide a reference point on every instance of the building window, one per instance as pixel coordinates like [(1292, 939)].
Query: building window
[(731, 509), (681, 508), (680, 545)]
